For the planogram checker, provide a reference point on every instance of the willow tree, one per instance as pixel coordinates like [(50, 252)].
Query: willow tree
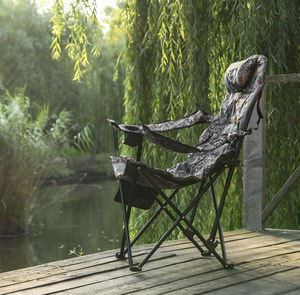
[(176, 54)]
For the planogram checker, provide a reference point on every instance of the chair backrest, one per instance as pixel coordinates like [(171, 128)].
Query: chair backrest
[(244, 81)]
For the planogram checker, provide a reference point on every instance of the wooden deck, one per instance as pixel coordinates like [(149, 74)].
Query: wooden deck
[(265, 263)]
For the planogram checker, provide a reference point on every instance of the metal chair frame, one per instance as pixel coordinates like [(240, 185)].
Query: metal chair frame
[(244, 82), (208, 246)]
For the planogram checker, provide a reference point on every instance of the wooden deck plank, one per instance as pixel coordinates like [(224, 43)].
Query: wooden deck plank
[(110, 254), (165, 280), (110, 262), (96, 259), (71, 274), (296, 291), (177, 267), (83, 279), (246, 283), (278, 283)]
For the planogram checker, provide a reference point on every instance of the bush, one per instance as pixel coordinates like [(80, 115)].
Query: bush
[(30, 149)]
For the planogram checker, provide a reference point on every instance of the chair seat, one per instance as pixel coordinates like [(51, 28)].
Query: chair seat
[(182, 174), (125, 168)]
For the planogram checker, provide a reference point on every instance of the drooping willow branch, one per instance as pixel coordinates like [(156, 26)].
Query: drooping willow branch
[(75, 28)]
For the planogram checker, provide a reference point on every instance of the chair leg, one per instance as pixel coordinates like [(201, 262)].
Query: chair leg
[(126, 230), (216, 225), (150, 221), (121, 255), (219, 224), (182, 215), (197, 204), (188, 233), (221, 205), (162, 239), (167, 233)]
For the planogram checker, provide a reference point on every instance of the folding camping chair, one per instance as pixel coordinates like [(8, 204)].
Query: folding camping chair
[(218, 150)]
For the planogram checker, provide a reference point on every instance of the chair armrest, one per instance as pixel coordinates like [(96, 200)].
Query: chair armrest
[(133, 134), (168, 142), (125, 127), (197, 117)]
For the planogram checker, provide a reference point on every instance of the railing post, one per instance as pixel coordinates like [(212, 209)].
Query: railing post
[(254, 171)]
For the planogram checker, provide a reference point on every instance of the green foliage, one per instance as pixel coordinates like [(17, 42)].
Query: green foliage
[(30, 151), (83, 140), (77, 251), (100, 96), (37, 135), (25, 40), (283, 152), (26, 60), (76, 22), (176, 56)]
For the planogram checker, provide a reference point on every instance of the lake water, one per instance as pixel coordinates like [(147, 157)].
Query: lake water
[(68, 217)]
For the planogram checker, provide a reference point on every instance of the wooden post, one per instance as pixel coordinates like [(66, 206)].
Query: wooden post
[(254, 149)]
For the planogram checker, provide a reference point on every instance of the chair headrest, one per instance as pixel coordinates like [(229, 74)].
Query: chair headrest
[(242, 74)]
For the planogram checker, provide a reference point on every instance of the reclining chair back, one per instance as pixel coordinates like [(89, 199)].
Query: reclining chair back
[(222, 139)]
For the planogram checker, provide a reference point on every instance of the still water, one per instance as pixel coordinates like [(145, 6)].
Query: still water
[(66, 217)]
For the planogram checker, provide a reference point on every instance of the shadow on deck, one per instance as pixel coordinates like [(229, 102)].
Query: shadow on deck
[(265, 263)]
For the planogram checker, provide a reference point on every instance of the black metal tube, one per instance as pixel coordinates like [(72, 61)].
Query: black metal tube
[(163, 206), (116, 143), (121, 254), (152, 218), (126, 229), (219, 224), (162, 239), (197, 204), (139, 152), (205, 188), (221, 205), (182, 215)]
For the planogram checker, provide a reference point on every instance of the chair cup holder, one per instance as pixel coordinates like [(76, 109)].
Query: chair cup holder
[(132, 137)]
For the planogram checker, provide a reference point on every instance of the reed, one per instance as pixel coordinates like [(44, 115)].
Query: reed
[(30, 149)]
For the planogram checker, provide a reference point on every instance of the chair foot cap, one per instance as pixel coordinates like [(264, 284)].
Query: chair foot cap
[(135, 268), (119, 256), (229, 266)]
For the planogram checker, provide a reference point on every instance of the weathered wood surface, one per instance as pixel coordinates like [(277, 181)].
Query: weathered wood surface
[(254, 170), (254, 159), (289, 184), (265, 263), (283, 78)]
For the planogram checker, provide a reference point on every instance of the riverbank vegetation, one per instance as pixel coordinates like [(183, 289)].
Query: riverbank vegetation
[(47, 119), (31, 150)]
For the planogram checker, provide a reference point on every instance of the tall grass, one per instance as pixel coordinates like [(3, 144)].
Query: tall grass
[(30, 149)]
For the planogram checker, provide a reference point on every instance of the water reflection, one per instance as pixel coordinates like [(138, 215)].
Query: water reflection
[(67, 217)]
